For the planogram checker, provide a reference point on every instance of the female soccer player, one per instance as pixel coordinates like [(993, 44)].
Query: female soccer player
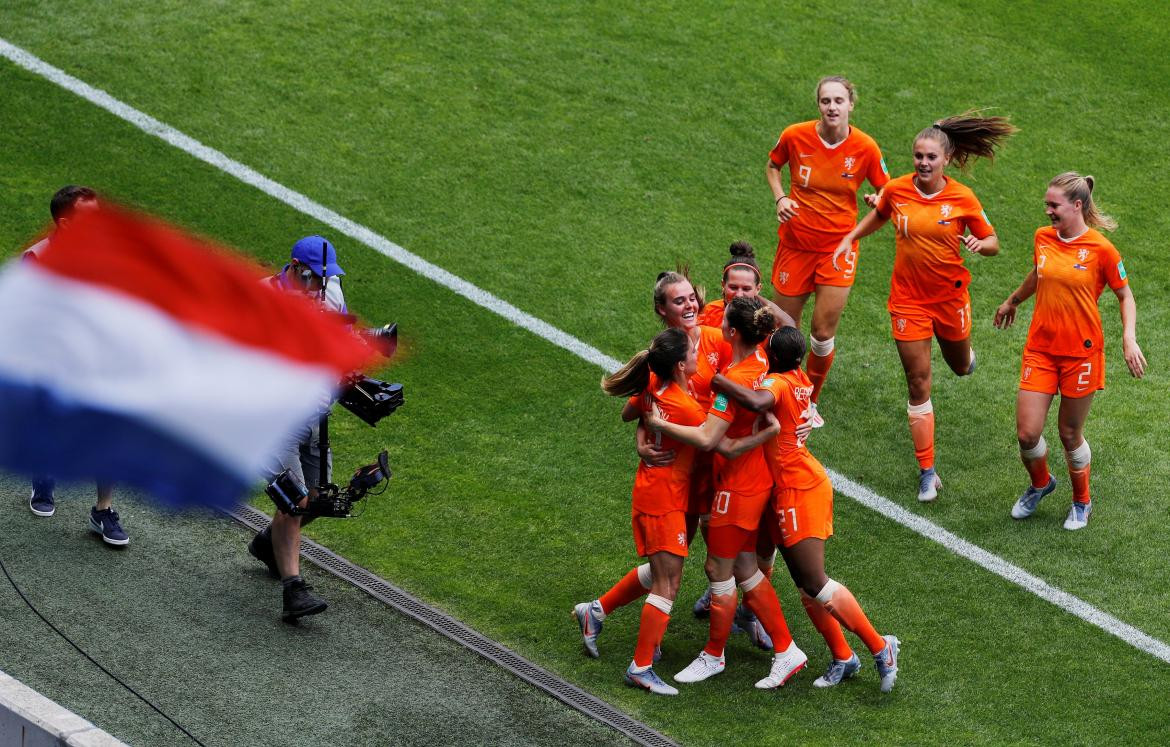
[(827, 160), (1065, 351), (743, 487), (935, 218), (660, 376), (741, 277), (677, 304), (803, 501)]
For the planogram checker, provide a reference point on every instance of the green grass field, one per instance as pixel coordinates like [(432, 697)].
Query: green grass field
[(560, 156)]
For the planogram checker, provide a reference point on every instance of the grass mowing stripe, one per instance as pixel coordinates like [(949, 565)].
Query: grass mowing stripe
[(1002, 568), (862, 495), (300, 202), (412, 607)]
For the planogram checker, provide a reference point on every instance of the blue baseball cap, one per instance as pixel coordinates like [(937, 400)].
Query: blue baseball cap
[(308, 250)]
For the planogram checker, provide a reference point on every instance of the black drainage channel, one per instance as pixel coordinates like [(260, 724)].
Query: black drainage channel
[(387, 593)]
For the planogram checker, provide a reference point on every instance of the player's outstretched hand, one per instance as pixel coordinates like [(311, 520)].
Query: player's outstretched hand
[(840, 251), (871, 200), (786, 208)]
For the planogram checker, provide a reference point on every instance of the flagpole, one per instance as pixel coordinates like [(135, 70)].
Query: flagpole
[(323, 421)]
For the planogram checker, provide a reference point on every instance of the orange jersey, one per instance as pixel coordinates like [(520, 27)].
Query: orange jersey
[(714, 355), (712, 314), (660, 490), (928, 259), (1070, 276), (824, 182), (748, 473), (792, 465)]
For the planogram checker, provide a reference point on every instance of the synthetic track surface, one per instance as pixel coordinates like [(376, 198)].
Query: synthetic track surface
[(189, 619), (987, 560)]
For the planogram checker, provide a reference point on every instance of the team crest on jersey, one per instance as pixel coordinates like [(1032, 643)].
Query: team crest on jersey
[(946, 208), (900, 323), (783, 278), (682, 538), (1027, 373), (849, 161), (713, 359), (1082, 254)]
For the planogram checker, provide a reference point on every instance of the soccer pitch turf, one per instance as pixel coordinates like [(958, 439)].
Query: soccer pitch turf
[(559, 157)]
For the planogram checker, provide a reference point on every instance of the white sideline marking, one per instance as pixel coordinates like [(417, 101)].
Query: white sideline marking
[(863, 495), (300, 202)]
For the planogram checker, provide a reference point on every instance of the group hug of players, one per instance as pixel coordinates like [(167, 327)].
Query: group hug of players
[(724, 408)]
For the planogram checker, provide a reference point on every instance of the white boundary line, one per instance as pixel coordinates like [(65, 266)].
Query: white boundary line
[(863, 495)]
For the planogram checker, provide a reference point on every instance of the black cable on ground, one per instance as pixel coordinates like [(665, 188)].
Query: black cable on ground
[(110, 674)]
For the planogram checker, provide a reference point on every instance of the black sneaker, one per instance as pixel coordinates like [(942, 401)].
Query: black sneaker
[(261, 548), (106, 524), (299, 601), (41, 500)]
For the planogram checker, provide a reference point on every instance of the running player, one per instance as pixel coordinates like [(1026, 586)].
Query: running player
[(827, 160), (1065, 351), (802, 497), (743, 487), (660, 376), (935, 219)]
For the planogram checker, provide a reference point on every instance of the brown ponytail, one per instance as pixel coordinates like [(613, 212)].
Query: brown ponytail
[(751, 318), (667, 350), (969, 135), (742, 255)]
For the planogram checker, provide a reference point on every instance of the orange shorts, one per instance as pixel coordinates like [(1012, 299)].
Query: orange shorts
[(802, 513), (947, 320), (660, 533), (739, 509), (1072, 377), (795, 273), (728, 541), (702, 485)]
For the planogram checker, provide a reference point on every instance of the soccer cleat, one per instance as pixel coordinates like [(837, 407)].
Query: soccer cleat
[(928, 485), (106, 524), (886, 662), (261, 548), (703, 667), (971, 366), (1028, 502), (814, 416), (1078, 516), (785, 664), (702, 607), (40, 502), (747, 621), (839, 669), (648, 680), (299, 601), (588, 616)]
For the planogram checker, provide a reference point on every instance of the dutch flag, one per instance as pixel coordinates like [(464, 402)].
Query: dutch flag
[(131, 352)]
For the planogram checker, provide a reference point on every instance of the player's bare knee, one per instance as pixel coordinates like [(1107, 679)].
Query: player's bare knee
[(1071, 436), (1028, 438)]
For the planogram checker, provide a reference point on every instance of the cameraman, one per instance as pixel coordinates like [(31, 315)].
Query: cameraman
[(313, 262)]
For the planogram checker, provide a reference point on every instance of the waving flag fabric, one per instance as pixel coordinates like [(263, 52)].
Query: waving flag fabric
[(132, 352)]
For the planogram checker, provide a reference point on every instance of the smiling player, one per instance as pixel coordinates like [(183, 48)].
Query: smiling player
[(1065, 350), (935, 219)]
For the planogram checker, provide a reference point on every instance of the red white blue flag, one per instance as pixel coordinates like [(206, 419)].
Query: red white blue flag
[(131, 352)]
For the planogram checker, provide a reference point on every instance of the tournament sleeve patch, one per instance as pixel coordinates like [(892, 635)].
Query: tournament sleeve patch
[(720, 403), (1121, 269), (985, 219), (767, 382), (884, 169)]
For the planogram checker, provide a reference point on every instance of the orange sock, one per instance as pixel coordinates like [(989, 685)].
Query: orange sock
[(633, 585), (922, 432), (722, 615), (1078, 471), (1035, 461), (761, 599), (818, 368), (655, 617), (828, 627), (839, 601)]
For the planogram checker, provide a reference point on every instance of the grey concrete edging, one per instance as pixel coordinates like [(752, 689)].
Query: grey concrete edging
[(29, 719)]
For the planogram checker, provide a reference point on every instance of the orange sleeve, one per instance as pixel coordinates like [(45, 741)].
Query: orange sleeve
[(1112, 267), (779, 153), (878, 175), (883, 204), (975, 218)]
